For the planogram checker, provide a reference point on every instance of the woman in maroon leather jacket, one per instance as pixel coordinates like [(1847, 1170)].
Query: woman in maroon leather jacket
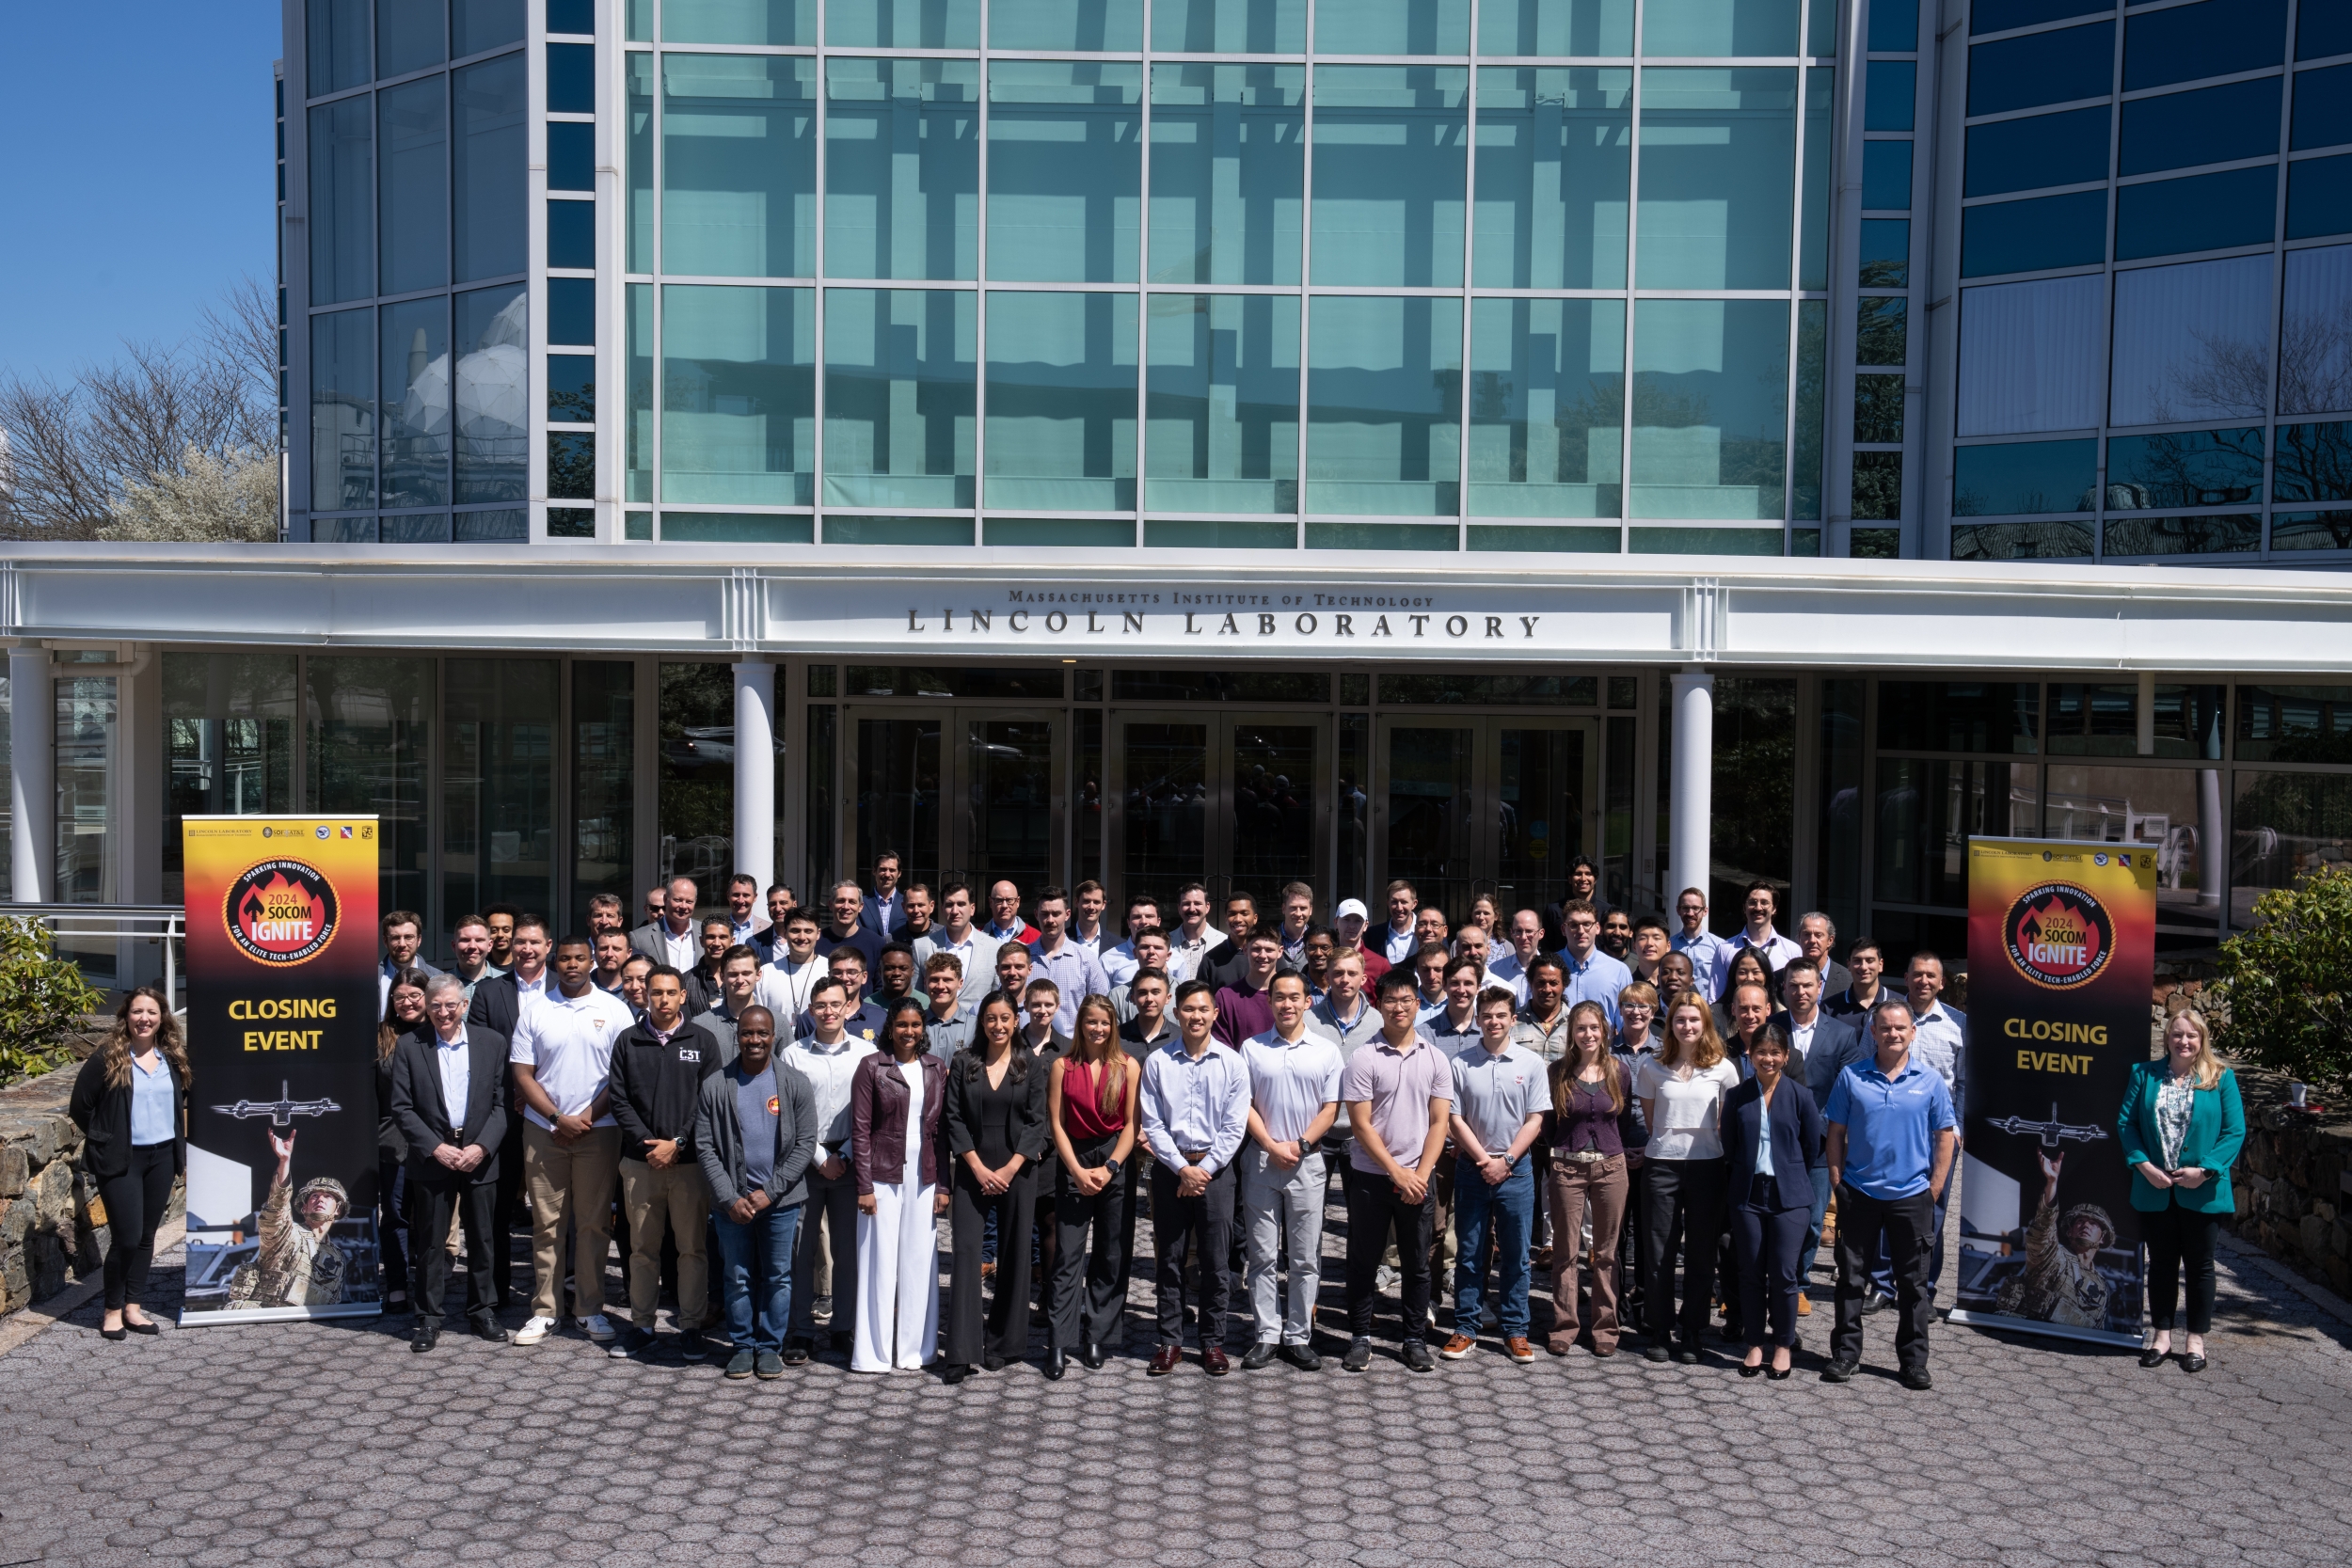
[(894, 1100)]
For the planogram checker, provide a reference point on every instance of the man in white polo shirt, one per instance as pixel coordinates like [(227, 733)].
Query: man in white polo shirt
[(561, 1054), (1294, 1099)]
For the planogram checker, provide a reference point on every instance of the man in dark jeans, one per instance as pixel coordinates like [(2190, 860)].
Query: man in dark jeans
[(1399, 1093), (1892, 1136)]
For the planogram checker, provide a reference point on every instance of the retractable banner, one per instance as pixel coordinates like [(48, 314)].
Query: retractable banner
[(281, 1046), (2061, 961)]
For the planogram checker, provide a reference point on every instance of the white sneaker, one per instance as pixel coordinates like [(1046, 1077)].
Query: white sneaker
[(535, 1330), (595, 1326), (1433, 1315)]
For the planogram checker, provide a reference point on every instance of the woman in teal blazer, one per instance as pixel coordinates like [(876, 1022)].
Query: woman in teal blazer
[(2180, 1127)]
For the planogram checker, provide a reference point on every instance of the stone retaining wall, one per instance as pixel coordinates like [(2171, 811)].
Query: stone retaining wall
[(45, 1236), (2293, 1181)]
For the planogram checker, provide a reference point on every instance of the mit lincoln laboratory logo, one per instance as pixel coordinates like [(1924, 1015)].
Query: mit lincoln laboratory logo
[(2059, 936), (280, 913)]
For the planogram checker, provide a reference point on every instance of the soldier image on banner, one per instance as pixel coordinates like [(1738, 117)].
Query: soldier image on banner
[(298, 1262)]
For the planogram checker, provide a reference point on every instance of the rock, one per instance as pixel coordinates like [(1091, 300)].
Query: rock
[(15, 1168)]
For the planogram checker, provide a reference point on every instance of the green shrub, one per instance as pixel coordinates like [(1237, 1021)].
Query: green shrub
[(2286, 985), (42, 1000)]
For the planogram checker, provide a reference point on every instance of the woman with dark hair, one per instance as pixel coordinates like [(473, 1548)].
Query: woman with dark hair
[(130, 1101), (995, 1123), (1772, 1135), (1748, 968), (1090, 1109), (404, 1014), (896, 1098)]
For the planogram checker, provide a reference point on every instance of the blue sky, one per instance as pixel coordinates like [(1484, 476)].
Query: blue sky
[(139, 173)]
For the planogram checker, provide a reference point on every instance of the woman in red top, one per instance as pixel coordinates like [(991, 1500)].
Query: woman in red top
[(1091, 1107)]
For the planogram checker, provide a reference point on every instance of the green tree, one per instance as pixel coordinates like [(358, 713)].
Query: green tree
[(2286, 985), (42, 1000)]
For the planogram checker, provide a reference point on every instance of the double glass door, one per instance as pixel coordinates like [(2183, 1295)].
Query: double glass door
[(1472, 805), (958, 795), (1237, 803)]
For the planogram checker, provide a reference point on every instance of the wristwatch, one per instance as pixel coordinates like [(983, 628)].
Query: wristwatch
[(1112, 1166)]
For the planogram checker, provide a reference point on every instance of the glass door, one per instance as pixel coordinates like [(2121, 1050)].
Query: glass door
[(1425, 820), (896, 784), (1275, 817), (1496, 804), (1543, 797), (1160, 773), (1231, 802), (1011, 816)]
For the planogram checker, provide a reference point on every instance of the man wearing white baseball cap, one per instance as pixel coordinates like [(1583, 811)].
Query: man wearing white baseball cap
[(1349, 920)]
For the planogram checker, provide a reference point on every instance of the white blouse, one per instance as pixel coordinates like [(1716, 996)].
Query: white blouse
[(1685, 1113)]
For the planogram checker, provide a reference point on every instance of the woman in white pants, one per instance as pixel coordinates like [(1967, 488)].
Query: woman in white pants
[(894, 1102)]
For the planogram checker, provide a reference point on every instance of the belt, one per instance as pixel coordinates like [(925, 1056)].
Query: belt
[(1581, 1156), (1193, 1156)]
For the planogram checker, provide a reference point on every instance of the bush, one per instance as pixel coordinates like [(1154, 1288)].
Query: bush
[(2286, 985), (42, 1000)]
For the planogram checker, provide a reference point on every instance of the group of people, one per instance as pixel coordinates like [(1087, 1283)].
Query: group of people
[(1662, 1120)]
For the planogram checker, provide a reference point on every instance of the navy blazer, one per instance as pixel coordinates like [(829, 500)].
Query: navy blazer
[(425, 1117), (1797, 1131)]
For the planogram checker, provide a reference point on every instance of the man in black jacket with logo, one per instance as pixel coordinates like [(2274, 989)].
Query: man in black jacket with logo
[(449, 1097), (657, 1072)]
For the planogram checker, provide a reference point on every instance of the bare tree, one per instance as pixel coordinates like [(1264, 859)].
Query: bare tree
[(72, 453)]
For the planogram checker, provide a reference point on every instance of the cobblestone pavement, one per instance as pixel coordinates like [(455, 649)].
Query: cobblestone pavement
[(329, 1444)]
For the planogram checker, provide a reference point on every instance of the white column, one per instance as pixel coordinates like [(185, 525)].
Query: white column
[(33, 780), (2212, 840), (756, 769), (1691, 792)]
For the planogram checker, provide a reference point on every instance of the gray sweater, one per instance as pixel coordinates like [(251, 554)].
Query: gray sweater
[(719, 1140)]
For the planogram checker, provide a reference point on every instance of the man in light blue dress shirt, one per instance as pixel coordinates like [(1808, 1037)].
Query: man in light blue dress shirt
[(1195, 1113), (1590, 975), (1710, 955)]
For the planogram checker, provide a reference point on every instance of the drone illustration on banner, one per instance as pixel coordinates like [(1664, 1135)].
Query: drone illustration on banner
[(2054, 1133), (280, 1111)]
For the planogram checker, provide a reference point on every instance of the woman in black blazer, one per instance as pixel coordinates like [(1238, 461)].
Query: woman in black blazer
[(994, 1125), (1772, 1135), (130, 1101), (404, 1014)]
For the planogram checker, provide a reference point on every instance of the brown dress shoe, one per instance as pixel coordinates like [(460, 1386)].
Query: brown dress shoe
[(1559, 1346), (1167, 1359), (1804, 1305), (1458, 1347), (1518, 1349), (1213, 1358)]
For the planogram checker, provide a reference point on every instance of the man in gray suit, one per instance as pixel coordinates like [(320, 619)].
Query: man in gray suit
[(449, 1098), (673, 938), (1822, 1047)]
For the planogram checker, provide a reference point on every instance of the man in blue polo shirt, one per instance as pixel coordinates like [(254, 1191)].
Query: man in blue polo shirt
[(1892, 1134)]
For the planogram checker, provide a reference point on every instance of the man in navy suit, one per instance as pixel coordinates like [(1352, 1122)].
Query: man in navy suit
[(1820, 1047), (449, 1098), (885, 908)]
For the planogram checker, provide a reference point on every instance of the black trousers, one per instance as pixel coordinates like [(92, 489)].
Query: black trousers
[(1770, 1244), (1907, 1225), (1003, 1330), (1179, 1223), (2179, 1241), (392, 1218), (136, 1201), (475, 1204), (835, 1200), (510, 1207), (1133, 1198), (1685, 1195), (1375, 1212), (1088, 1284)]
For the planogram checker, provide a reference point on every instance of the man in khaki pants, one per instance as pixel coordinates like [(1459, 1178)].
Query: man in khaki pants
[(561, 1058), (657, 1074)]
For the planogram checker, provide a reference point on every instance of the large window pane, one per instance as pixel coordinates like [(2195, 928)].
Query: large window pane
[(901, 389), (2025, 476), (409, 35), (342, 202), (739, 395), (1065, 176), (2192, 342), (2185, 467), (2030, 357), (695, 719), (342, 411), (1959, 716), (89, 740), (641, 203), (1229, 26), (2206, 212), (2285, 826), (1555, 147), (1718, 162), (1928, 810), (479, 25), (1754, 780), (367, 748), (229, 729), (1710, 403), (493, 345), (1228, 167), (604, 782), (2042, 68), (2211, 126), (1555, 27), (739, 21), (738, 165), (1388, 173), (1062, 400), (416, 367), (1807, 462), (1392, 28), (902, 168), (1714, 28), (2044, 233), (2294, 723), (498, 784), (2068, 149), (903, 24), (1821, 102), (413, 193), (489, 208), (2314, 463), (2212, 40), (2315, 332), (1222, 403), (1383, 406), (336, 32), (1114, 25), (1547, 407)]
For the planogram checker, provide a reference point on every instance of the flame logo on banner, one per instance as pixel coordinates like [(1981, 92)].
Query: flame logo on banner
[(2059, 936), (280, 913)]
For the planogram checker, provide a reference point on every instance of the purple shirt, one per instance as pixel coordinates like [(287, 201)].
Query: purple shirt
[(1399, 1087), (1243, 1014)]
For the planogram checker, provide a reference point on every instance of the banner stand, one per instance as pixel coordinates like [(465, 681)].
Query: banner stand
[(2061, 963)]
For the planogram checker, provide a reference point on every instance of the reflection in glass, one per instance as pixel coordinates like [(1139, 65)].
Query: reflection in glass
[(488, 174), (901, 384), (492, 344), (1384, 408), (638, 425), (2209, 534), (1009, 813), (498, 783), (416, 404), (1115, 26), (739, 21), (640, 122), (903, 24), (2185, 467), (1547, 407), (1878, 330), (1433, 837), (1389, 171), (1821, 98), (2019, 541), (2285, 826), (899, 794), (1554, 171), (87, 740), (367, 748), (1222, 403), (1540, 808), (694, 736), (412, 190), (1165, 804), (1065, 177), (902, 168), (2192, 342), (1714, 28), (2000, 717), (2294, 723), (1272, 829), (1062, 400), (342, 202), (1718, 165), (1392, 26), (2025, 476), (1555, 27), (738, 165), (739, 395), (408, 37), (229, 732), (1709, 400), (2314, 344), (2314, 463), (1228, 166), (1807, 459), (1885, 253), (1926, 811), (479, 25), (1229, 26), (604, 769), (336, 32), (342, 411)]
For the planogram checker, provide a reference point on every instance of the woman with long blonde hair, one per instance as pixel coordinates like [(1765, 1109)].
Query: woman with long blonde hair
[(1681, 1090), (1090, 1108), (130, 1101), (2180, 1127), (1592, 1120)]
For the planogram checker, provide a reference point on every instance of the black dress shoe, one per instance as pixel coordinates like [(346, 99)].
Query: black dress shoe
[(956, 1371), (1839, 1371), (1746, 1370), (1417, 1356), (1057, 1363), (1780, 1375), (795, 1353), (118, 1335), (146, 1326), (1916, 1377), (1259, 1356), (1359, 1354), (2193, 1362), (1094, 1357), (1165, 1360), (1303, 1357), (2155, 1357), (487, 1327), (1685, 1355), (993, 1362), (424, 1335), (1655, 1350)]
